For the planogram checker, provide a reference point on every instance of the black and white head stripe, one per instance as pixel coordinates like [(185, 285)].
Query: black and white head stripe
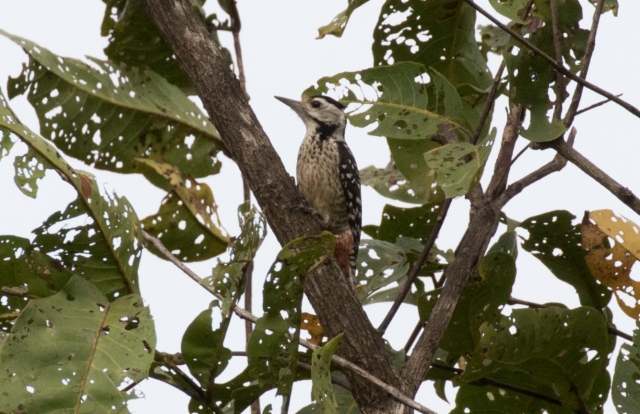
[(329, 100)]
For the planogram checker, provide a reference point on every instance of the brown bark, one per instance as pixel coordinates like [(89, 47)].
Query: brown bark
[(247, 144)]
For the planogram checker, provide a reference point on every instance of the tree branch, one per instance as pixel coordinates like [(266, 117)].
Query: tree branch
[(622, 193), (483, 222), (557, 46), (503, 162), (556, 164), (584, 66), (242, 313), (595, 105), (275, 191), (561, 69)]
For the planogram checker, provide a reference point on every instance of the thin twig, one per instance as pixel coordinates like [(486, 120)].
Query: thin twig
[(557, 46), (519, 154), (488, 104), (169, 256), (556, 164), (9, 316), (584, 66), (595, 105), (488, 381), (416, 267), (610, 328), (413, 337), (168, 362), (392, 391), (635, 111)]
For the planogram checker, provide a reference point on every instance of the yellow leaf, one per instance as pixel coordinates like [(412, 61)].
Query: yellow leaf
[(613, 245), (311, 324)]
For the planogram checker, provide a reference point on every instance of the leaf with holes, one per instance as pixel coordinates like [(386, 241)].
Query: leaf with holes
[(344, 401), (510, 8), (202, 345), (564, 351), (95, 348), (624, 389), (29, 169), (405, 101), (107, 116), (135, 41), (556, 243), (390, 183), (460, 165), (379, 264), (408, 157), (5, 143), (96, 238), (608, 5), (26, 272), (104, 248), (481, 303), (185, 217), (322, 390), (339, 23), (439, 34), (228, 278), (397, 222), (531, 78), (613, 247), (311, 324), (273, 346)]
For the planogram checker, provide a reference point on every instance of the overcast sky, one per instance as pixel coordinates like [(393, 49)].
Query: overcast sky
[(283, 58)]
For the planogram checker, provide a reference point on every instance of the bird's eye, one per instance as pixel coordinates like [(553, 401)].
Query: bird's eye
[(316, 104)]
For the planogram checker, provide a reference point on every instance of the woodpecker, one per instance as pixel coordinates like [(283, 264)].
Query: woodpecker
[(328, 176)]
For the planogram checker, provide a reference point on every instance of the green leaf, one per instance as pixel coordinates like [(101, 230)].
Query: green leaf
[(565, 352), (531, 77), (185, 217), (408, 156), (557, 244), (27, 272), (481, 303), (135, 41), (5, 143), (624, 390), (510, 8), (107, 116), (397, 222), (608, 5), (94, 348), (379, 264), (29, 169), (104, 249), (390, 183), (460, 165), (344, 400), (339, 23), (507, 243), (202, 345), (227, 279), (439, 34), (406, 100), (273, 346), (322, 390)]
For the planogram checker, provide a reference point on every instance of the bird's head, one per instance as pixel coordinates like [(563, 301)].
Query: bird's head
[(320, 113)]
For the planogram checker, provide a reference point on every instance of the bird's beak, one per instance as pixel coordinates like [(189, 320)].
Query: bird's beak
[(293, 104)]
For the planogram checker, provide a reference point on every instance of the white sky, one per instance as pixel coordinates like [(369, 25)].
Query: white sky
[(283, 58)]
